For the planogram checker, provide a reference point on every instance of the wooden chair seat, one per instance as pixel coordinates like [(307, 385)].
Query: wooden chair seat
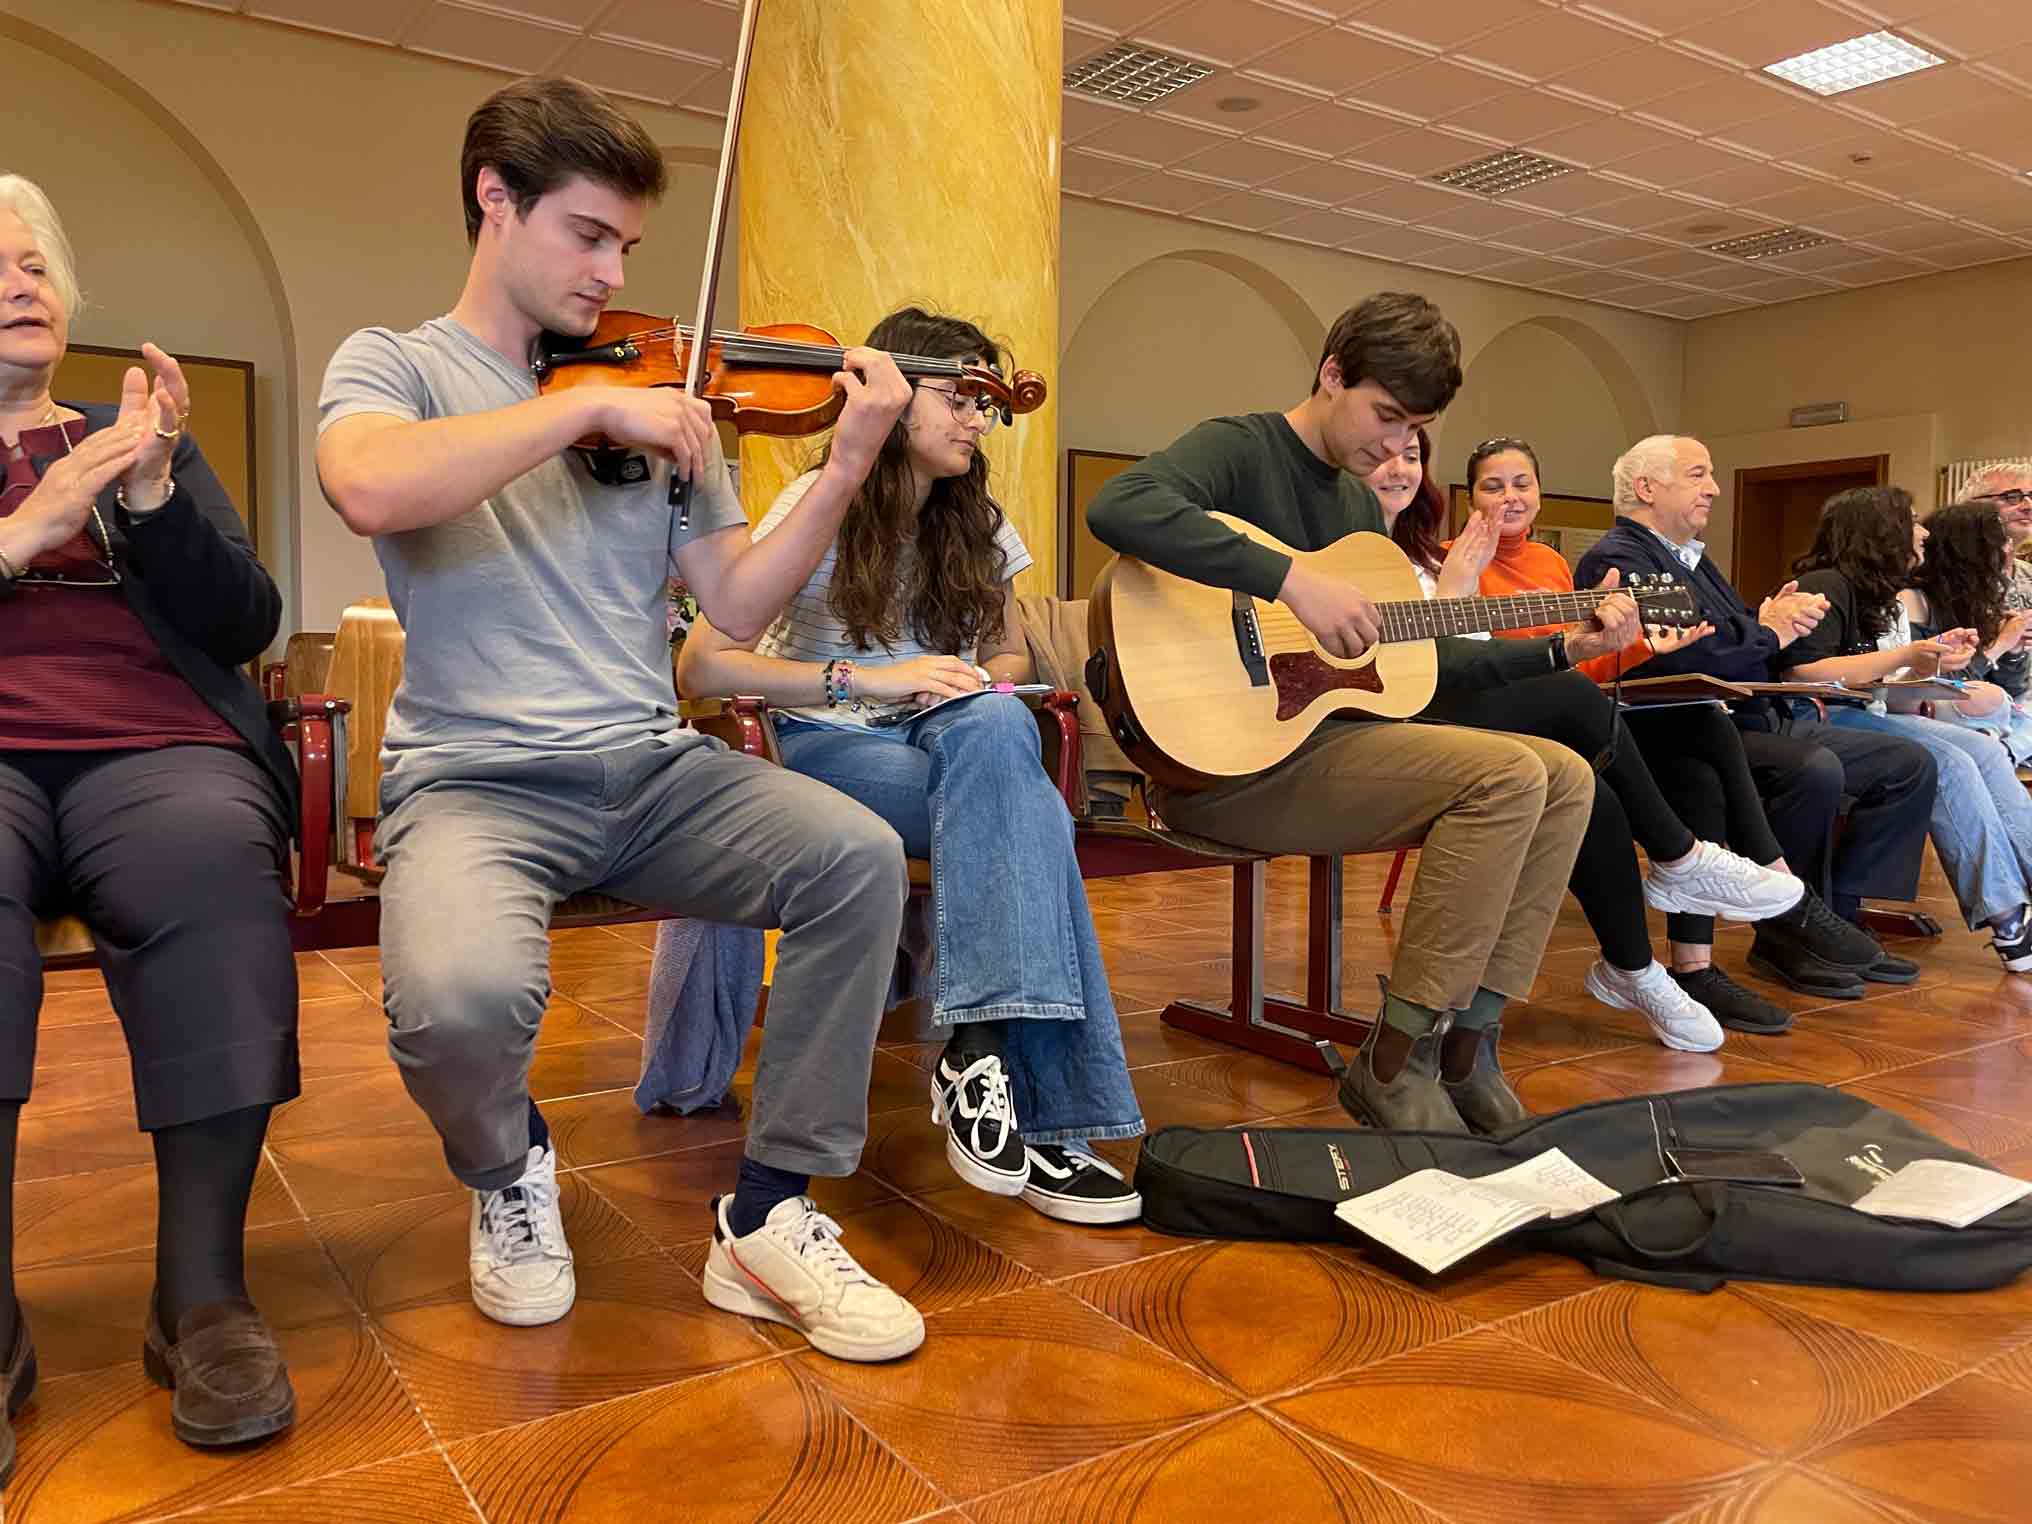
[(64, 936)]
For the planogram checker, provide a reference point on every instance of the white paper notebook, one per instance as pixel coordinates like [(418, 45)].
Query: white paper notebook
[(1434, 1218), (1943, 1191)]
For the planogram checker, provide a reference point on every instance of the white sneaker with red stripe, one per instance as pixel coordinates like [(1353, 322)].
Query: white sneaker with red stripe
[(793, 1270)]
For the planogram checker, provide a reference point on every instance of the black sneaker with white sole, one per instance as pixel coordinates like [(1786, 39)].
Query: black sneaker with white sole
[(1078, 1187), (981, 1140), (2015, 953)]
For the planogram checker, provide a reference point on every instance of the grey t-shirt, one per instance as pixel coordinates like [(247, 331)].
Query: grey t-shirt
[(809, 630), (536, 621)]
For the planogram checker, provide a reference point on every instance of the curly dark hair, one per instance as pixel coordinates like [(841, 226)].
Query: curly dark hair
[(1416, 531), (1965, 573), (1865, 534), (953, 600)]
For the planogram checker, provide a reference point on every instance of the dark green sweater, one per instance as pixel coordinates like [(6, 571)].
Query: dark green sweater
[(1255, 467)]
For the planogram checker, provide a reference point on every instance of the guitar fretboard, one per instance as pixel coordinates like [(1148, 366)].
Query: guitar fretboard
[(1424, 618)]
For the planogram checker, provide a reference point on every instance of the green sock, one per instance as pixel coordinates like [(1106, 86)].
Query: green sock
[(1412, 1020), (1484, 1009)]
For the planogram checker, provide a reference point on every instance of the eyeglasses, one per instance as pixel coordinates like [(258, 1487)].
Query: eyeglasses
[(30, 577), (2009, 499), (978, 408)]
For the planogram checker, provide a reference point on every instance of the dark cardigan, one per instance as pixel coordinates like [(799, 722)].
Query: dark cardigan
[(191, 578)]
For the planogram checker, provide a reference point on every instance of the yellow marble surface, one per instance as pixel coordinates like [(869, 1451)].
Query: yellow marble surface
[(907, 151)]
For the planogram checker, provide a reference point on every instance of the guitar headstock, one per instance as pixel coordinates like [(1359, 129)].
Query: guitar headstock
[(1663, 599)]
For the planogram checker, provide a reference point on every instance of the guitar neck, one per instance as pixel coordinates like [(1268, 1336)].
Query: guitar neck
[(1423, 618)]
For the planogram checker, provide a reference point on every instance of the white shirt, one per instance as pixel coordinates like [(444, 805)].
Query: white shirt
[(1688, 555)]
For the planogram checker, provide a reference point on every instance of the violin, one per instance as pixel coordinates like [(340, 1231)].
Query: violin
[(774, 379)]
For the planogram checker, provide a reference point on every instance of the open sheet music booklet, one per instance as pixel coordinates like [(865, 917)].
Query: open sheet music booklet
[(1943, 1191), (1435, 1218)]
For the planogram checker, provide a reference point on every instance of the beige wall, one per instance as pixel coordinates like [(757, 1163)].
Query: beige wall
[(207, 157), (1933, 370), (1165, 323)]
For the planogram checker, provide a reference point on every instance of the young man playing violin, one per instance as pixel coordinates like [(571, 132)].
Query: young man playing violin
[(533, 746), (1500, 816)]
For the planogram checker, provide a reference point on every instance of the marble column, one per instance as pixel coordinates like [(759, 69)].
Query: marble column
[(907, 151)]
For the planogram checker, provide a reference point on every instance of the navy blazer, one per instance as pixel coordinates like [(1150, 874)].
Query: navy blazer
[(192, 579), (1740, 650)]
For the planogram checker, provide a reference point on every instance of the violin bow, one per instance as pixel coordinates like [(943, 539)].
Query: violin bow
[(716, 238)]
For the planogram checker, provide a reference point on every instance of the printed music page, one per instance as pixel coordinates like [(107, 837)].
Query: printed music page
[(1435, 1219), (1944, 1191)]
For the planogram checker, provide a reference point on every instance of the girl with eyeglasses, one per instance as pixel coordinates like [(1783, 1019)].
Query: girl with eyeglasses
[(1693, 878), (1868, 546), (143, 790), (876, 670)]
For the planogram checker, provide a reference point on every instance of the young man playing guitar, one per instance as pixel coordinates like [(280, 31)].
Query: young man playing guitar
[(1501, 816), (533, 747)]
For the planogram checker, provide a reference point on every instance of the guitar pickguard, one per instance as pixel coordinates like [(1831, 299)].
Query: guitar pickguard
[(1300, 677)]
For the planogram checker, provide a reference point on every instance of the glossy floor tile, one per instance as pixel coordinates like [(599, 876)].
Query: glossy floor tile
[(1070, 1375)]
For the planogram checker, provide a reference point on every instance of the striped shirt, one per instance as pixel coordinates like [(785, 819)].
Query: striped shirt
[(809, 630)]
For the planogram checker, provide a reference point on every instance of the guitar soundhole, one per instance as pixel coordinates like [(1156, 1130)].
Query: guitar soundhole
[(1300, 677)]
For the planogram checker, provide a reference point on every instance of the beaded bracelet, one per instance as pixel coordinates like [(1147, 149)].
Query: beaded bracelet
[(826, 678), (846, 682)]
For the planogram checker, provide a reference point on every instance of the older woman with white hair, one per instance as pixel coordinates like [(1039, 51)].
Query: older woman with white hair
[(142, 789)]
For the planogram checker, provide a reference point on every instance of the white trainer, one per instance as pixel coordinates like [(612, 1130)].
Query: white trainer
[(794, 1270), (1676, 1018), (1712, 880), (520, 1264)]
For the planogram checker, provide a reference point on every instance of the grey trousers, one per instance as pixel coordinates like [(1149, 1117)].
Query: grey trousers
[(476, 862)]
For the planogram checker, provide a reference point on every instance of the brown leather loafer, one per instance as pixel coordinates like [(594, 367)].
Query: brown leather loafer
[(230, 1382), (18, 1380)]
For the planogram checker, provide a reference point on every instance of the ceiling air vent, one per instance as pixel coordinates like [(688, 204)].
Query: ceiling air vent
[(1498, 174), (1137, 75), (1771, 241)]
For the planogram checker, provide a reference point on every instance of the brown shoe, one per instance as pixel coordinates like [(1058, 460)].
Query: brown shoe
[(1411, 1100), (230, 1383), (1472, 1076), (19, 1382)]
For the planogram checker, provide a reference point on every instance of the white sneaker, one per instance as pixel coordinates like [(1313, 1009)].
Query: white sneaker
[(520, 1264), (794, 1270), (1712, 880), (1677, 1019)]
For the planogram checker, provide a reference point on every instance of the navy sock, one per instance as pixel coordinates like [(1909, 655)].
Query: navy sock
[(757, 1192), (539, 1130)]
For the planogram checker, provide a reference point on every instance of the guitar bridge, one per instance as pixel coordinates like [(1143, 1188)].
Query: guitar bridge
[(1249, 641)]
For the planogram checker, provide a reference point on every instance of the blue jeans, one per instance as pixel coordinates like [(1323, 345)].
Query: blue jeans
[(1982, 817), (965, 788)]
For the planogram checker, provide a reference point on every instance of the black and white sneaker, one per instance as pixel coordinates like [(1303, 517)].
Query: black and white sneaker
[(1078, 1187), (2015, 953), (981, 1141)]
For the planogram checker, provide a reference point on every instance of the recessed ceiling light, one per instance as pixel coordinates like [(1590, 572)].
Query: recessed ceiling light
[(1770, 242), (1128, 73), (1235, 104), (1499, 173), (1704, 229), (1850, 65)]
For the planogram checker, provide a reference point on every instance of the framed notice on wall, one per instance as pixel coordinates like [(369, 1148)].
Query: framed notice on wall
[(1570, 525), (1080, 555), (222, 411)]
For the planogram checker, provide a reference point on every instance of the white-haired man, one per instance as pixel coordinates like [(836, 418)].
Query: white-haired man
[(1665, 490), (2007, 487)]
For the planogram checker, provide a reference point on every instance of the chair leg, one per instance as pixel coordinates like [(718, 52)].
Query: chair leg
[(1257, 1023), (1390, 883)]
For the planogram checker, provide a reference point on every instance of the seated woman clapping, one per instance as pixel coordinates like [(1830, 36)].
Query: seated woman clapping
[(136, 762), (878, 669), (1865, 550), (1963, 581)]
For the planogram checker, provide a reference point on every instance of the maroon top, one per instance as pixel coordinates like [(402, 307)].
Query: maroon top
[(78, 670)]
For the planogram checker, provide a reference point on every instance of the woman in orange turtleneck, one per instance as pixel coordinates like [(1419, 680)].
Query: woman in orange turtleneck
[(1692, 753)]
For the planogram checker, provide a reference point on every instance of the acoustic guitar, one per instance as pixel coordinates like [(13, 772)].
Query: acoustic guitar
[(1200, 684)]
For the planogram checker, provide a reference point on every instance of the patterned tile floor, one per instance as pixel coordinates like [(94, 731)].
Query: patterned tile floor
[(1070, 1375)]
